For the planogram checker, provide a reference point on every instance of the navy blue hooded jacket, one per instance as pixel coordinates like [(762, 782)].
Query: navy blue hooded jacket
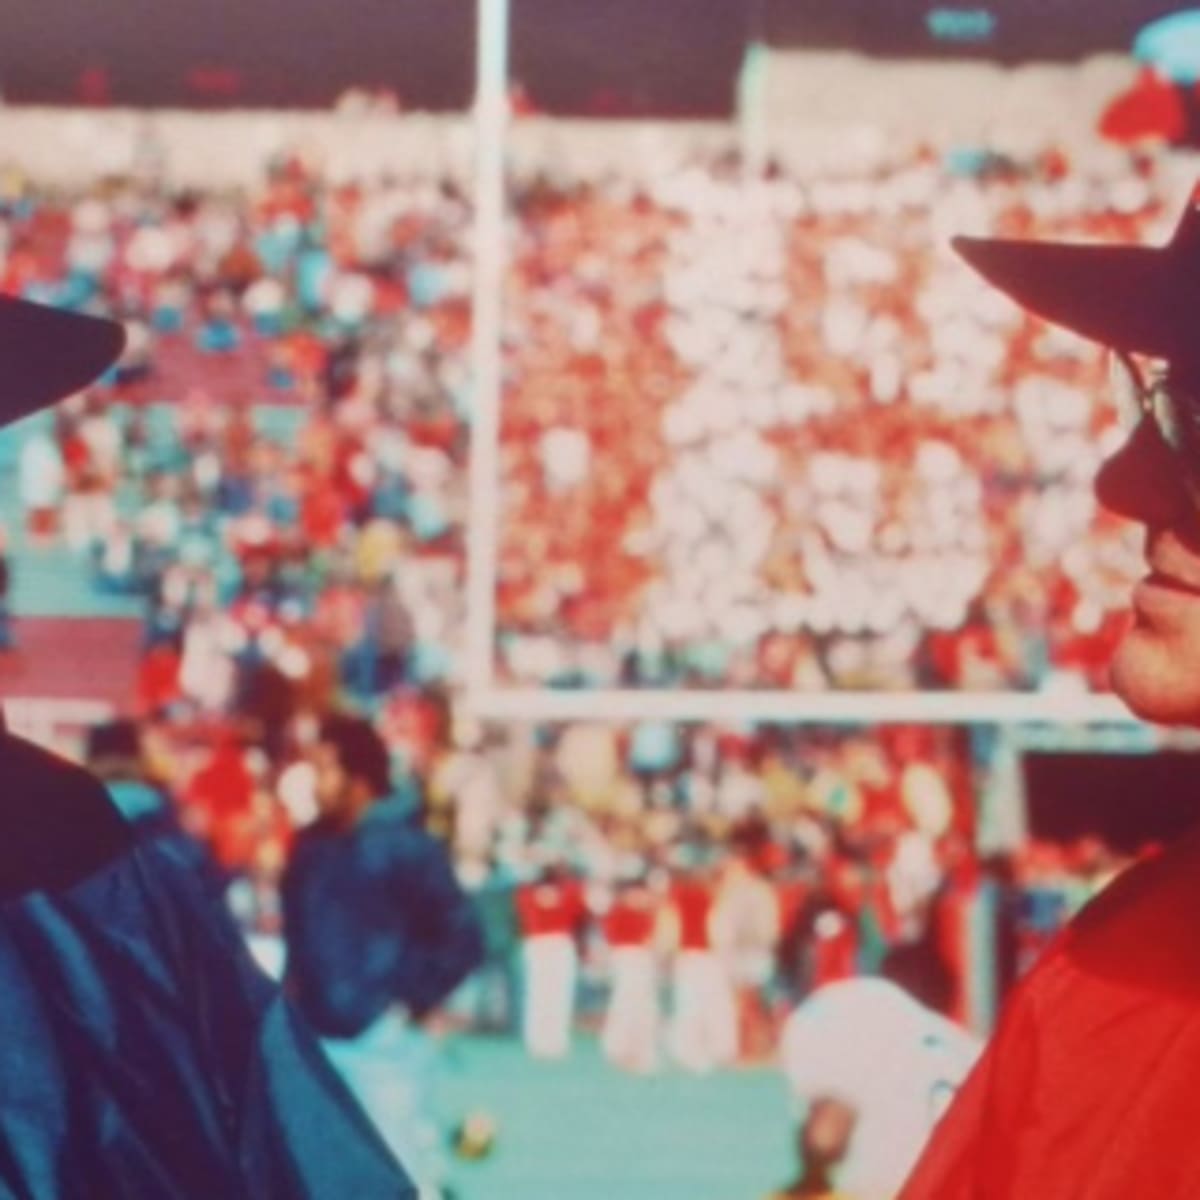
[(374, 917), (142, 1053)]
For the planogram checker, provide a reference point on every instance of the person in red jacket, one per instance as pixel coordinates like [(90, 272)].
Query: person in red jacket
[(219, 800), (631, 1025), (550, 911), (1088, 1088)]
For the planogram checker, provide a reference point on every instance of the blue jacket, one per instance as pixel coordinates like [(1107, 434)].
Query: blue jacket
[(374, 916), (143, 1052)]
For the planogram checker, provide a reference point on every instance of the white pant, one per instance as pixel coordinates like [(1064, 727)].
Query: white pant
[(703, 1032), (631, 1025), (551, 965), (87, 518)]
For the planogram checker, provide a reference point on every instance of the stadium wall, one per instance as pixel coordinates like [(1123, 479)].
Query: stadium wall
[(943, 101), (817, 106)]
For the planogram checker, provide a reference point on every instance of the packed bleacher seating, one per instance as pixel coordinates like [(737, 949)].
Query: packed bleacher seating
[(755, 432), (761, 433)]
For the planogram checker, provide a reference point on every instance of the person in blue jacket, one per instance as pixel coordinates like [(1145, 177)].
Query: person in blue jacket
[(143, 1053), (379, 932)]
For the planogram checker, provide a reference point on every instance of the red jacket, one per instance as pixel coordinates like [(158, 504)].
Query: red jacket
[(550, 907), (1089, 1088)]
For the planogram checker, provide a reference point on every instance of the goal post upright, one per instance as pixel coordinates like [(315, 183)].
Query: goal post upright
[(490, 122)]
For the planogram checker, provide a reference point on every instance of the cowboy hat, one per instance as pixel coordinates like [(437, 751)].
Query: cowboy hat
[(1139, 299), (47, 354)]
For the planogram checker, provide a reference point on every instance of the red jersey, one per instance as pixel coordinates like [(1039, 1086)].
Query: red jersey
[(76, 455), (158, 680), (629, 923), (253, 840), (322, 514), (550, 907), (693, 903), (835, 949), (1089, 1087), (220, 795)]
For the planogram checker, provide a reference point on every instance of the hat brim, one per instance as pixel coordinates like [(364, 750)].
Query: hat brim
[(1127, 297), (47, 354)]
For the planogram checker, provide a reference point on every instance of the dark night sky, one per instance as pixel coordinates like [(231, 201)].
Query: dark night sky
[(668, 56)]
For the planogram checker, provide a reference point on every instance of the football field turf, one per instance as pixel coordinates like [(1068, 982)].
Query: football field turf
[(580, 1130)]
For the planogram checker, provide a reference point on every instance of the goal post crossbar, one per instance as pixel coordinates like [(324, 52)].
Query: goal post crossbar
[(777, 707)]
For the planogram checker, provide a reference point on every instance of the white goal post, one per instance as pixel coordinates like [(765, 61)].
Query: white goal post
[(782, 707), (490, 700)]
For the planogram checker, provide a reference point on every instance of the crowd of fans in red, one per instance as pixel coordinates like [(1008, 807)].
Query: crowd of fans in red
[(761, 433), (788, 442), (765, 433)]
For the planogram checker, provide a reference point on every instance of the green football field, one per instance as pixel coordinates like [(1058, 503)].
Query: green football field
[(581, 1130)]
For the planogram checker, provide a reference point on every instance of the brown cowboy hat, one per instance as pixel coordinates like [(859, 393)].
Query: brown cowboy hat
[(47, 354), (1140, 299)]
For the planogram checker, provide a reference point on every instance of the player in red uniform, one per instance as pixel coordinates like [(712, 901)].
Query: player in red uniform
[(1088, 1089), (550, 911), (631, 1025)]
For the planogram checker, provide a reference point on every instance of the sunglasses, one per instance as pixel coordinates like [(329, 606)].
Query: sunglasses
[(1150, 393)]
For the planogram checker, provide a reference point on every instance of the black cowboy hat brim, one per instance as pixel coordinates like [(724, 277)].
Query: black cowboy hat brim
[(1132, 298), (47, 354)]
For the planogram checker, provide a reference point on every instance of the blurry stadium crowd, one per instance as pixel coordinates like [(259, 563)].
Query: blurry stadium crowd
[(762, 433), (781, 435), (722, 873)]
